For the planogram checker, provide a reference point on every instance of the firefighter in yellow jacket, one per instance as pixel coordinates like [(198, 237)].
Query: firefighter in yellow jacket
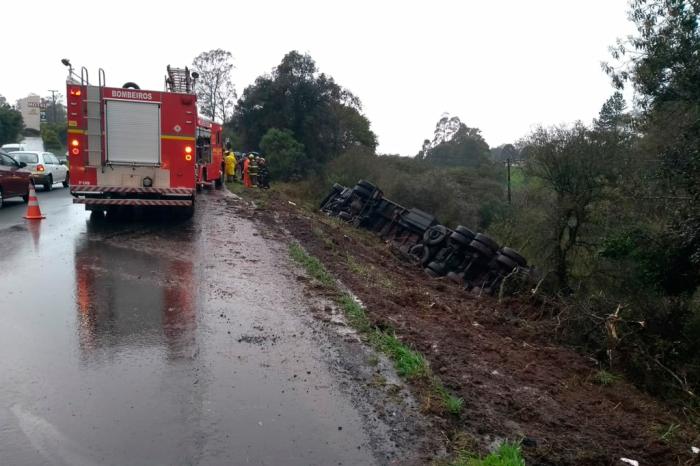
[(230, 161)]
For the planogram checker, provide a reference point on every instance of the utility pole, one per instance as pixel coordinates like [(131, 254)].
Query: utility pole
[(508, 165), (53, 99)]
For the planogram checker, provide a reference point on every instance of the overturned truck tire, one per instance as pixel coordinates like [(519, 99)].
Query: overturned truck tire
[(459, 239), (513, 255), (420, 254), (487, 241), (435, 235), (484, 252), (506, 262)]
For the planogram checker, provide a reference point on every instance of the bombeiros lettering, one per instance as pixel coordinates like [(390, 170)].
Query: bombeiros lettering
[(128, 94)]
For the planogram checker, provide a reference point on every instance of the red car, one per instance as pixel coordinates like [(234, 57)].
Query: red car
[(14, 179)]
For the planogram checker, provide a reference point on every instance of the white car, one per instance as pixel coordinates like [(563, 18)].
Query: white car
[(45, 167), (13, 147)]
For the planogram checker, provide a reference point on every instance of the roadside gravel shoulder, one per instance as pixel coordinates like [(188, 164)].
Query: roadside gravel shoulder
[(398, 431)]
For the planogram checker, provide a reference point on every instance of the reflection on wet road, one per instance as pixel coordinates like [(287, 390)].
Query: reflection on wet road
[(160, 343)]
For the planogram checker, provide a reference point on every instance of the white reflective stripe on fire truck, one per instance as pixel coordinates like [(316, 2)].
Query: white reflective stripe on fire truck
[(133, 132)]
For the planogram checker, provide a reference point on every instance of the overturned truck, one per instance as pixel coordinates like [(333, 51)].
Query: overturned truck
[(473, 260)]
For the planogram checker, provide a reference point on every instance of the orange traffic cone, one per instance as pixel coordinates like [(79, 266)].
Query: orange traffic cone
[(33, 210)]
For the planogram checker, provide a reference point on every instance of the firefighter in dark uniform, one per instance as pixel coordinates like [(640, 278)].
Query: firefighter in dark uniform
[(253, 170), (263, 174)]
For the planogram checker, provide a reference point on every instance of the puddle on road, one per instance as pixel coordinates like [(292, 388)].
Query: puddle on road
[(154, 343)]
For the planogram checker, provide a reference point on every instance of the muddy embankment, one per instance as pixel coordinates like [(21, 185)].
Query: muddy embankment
[(516, 382)]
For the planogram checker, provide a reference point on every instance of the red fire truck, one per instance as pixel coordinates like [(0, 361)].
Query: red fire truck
[(210, 154), (133, 147)]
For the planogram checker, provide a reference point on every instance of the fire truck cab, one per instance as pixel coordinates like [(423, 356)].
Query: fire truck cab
[(133, 147)]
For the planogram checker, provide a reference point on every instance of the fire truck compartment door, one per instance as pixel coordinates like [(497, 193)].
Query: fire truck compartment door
[(133, 132)]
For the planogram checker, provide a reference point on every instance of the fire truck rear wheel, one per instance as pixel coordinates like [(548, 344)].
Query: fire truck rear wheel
[(219, 181), (188, 212), (97, 215)]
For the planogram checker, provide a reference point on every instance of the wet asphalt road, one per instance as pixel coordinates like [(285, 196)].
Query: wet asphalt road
[(141, 342)]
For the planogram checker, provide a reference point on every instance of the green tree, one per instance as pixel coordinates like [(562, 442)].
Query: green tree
[(455, 144), (612, 116), (284, 154), (323, 116), (662, 63), (216, 93), (11, 123), (50, 138), (571, 165)]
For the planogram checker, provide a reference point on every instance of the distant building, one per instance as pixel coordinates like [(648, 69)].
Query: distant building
[(31, 108)]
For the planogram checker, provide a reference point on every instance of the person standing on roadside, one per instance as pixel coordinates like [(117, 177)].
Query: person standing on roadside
[(230, 160), (253, 169), (246, 172), (263, 174), (240, 158)]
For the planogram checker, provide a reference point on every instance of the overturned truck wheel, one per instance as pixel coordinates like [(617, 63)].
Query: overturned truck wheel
[(484, 252), (506, 262), (416, 253), (513, 255), (435, 235), (487, 241), (421, 254), (459, 239)]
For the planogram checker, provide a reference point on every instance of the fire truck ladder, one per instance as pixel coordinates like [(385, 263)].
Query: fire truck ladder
[(179, 80), (94, 121)]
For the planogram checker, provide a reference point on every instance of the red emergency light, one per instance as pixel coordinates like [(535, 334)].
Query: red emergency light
[(75, 150)]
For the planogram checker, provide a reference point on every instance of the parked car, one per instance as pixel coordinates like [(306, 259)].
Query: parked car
[(14, 178), (13, 147), (45, 167)]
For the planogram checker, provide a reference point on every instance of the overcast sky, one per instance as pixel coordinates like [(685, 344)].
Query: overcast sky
[(502, 66)]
